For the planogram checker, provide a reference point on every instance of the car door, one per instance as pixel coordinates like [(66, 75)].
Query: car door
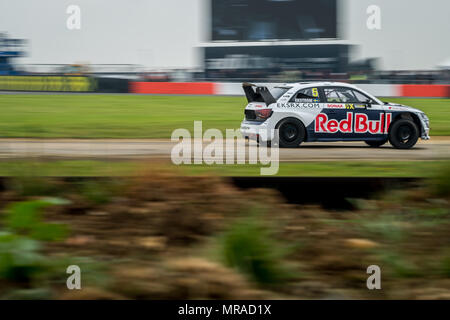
[(333, 122), (370, 120), (348, 114)]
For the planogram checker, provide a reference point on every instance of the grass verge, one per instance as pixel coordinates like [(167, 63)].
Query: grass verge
[(145, 116), (301, 169)]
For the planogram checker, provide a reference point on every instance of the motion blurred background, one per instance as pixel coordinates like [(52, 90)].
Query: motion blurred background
[(85, 172), (232, 40)]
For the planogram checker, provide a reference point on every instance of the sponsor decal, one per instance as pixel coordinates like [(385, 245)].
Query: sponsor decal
[(397, 108), (335, 106), (48, 83), (354, 122), (323, 125), (349, 106), (286, 97), (316, 100), (298, 105)]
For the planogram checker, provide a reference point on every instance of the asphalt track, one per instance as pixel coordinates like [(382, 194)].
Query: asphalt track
[(434, 149)]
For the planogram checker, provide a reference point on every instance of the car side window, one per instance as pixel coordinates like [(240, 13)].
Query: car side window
[(331, 95), (344, 95), (307, 95), (361, 97)]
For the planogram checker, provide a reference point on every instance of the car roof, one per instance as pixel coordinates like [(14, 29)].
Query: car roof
[(300, 85), (322, 84)]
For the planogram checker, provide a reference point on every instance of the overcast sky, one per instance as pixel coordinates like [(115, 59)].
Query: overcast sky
[(155, 33), (164, 33)]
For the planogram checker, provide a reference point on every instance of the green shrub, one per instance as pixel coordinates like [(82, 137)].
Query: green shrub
[(27, 180), (34, 186), (249, 246), (384, 226), (400, 265), (98, 192), (25, 218), (20, 241), (22, 263), (19, 258)]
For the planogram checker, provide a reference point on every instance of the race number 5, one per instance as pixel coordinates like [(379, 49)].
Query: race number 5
[(315, 92)]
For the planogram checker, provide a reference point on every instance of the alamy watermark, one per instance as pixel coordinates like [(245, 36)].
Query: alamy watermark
[(191, 149), (374, 19), (74, 280), (374, 280), (73, 22)]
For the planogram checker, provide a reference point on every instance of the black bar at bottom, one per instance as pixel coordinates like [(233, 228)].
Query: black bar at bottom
[(226, 309)]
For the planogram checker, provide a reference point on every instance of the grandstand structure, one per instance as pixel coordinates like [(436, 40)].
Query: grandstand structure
[(259, 39), (10, 49)]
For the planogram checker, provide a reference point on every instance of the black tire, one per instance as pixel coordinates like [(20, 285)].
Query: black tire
[(403, 134), (376, 143), (291, 133)]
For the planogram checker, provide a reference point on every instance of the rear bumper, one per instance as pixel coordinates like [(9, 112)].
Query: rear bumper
[(256, 130)]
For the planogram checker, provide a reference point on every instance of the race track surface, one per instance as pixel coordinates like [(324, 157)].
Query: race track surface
[(436, 148)]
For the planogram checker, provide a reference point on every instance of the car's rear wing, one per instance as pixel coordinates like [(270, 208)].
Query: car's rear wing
[(256, 93)]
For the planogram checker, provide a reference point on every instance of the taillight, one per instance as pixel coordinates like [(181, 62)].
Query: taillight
[(263, 114)]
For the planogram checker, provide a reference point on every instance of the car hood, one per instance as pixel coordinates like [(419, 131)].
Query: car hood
[(401, 107)]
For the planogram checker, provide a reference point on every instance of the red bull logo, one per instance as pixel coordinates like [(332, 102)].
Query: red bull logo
[(353, 123)]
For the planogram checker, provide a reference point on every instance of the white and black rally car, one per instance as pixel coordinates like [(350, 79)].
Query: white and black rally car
[(328, 111)]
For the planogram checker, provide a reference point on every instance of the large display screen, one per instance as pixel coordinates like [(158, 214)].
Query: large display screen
[(256, 20), (261, 61)]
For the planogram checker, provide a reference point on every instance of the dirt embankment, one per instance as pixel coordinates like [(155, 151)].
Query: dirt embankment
[(162, 236)]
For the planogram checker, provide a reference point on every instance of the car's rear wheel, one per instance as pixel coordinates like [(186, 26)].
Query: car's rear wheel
[(291, 133), (403, 134), (376, 143)]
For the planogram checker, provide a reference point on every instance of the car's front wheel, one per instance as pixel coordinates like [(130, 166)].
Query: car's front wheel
[(291, 133), (376, 143), (403, 134)]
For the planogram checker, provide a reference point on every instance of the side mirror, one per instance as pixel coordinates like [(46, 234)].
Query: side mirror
[(368, 103)]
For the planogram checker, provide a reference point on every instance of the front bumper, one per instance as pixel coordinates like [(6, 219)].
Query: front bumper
[(425, 134)]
